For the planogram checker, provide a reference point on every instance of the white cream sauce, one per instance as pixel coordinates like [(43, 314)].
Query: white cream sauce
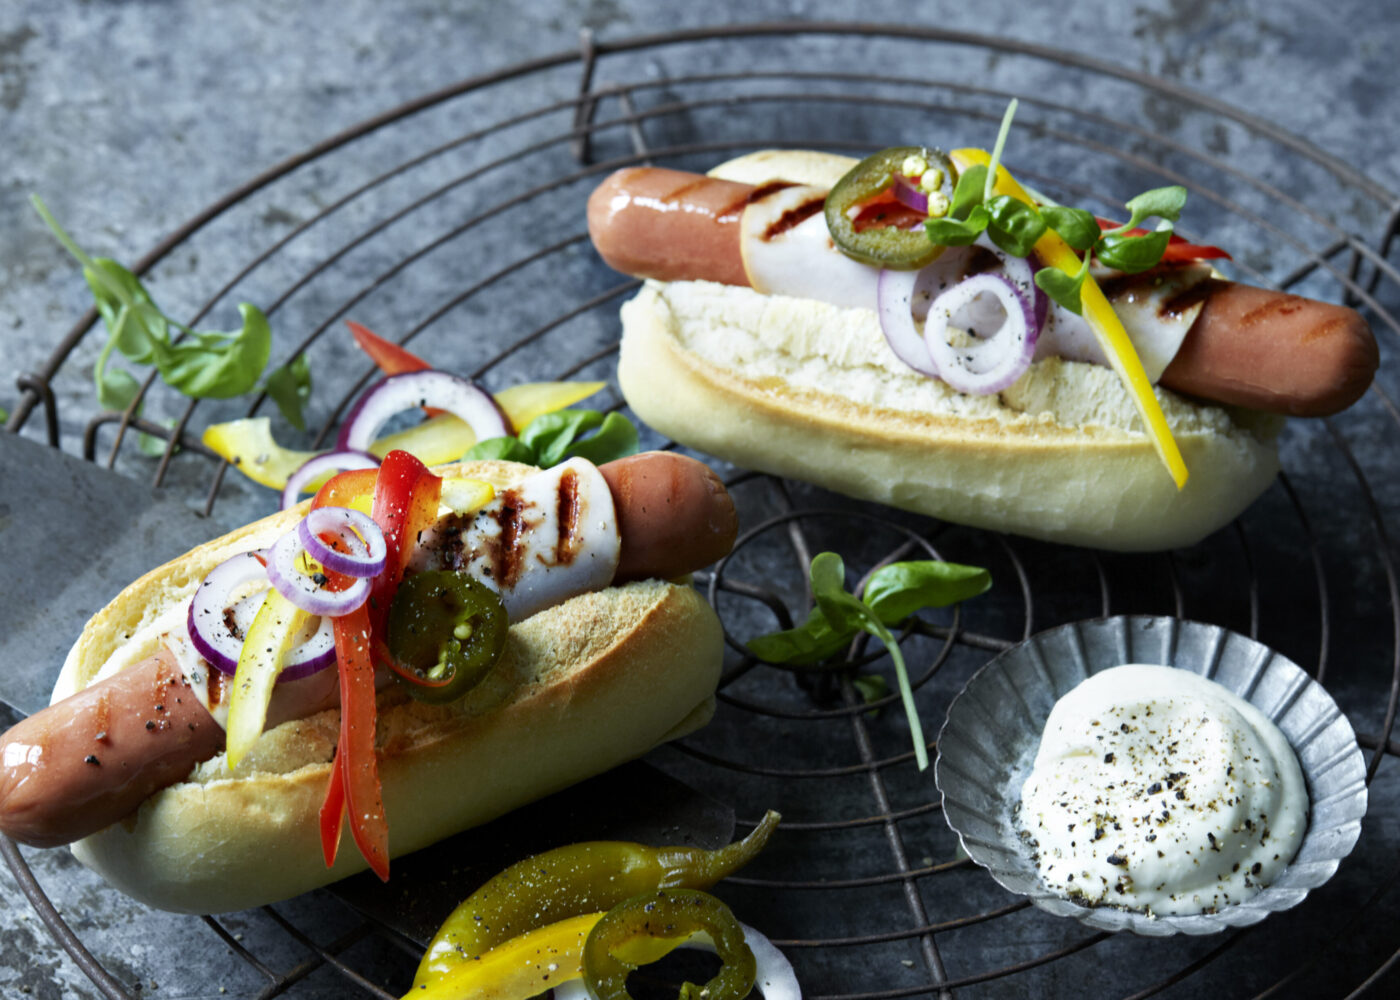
[(1157, 790)]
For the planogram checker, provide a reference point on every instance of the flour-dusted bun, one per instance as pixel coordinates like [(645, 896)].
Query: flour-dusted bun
[(582, 687), (804, 389)]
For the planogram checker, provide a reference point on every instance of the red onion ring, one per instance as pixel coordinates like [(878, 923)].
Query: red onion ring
[(995, 361), (368, 550), (908, 195), (304, 591), (896, 292), (411, 390), (214, 640), (331, 461)]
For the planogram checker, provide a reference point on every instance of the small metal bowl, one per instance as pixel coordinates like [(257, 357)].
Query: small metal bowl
[(993, 730)]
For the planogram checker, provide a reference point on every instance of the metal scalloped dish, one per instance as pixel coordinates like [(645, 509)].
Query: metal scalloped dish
[(994, 726)]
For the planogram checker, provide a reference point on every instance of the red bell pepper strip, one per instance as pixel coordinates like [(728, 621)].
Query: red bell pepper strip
[(333, 810), (1178, 249), (389, 356), (406, 497), (405, 503), (355, 759), (342, 489)]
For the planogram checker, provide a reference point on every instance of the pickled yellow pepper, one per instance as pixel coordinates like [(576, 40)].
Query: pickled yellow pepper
[(588, 878)]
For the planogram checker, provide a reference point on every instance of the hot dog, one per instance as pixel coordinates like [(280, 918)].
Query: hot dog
[(722, 354), (1250, 347), (590, 678)]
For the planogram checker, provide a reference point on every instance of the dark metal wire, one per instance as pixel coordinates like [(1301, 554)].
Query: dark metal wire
[(891, 813)]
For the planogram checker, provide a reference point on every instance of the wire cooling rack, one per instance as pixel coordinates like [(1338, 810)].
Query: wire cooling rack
[(455, 223)]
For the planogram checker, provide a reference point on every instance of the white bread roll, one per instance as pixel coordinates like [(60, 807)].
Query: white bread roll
[(582, 687), (807, 390)]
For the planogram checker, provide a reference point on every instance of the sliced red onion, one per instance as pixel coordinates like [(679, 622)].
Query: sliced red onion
[(908, 195), (211, 608), (897, 293), (209, 631), (773, 973), (411, 390), (368, 550), (304, 591), (313, 468), (995, 359)]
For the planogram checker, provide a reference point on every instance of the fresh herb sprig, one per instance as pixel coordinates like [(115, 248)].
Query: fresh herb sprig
[(1015, 226), (211, 364), (552, 437), (892, 593)]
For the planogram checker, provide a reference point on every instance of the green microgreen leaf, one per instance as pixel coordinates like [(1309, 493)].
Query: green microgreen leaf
[(219, 365), (1132, 254), (1076, 226), (289, 386), (871, 688), (615, 438), (202, 364), (969, 192), (504, 449), (896, 591), (552, 437), (893, 593), (1014, 226), (958, 232), (811, 642), (989, 184), (550, 434), (1064, 288), (1164, 202)]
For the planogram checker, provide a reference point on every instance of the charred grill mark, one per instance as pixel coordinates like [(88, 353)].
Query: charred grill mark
[(793, 217), (217, 681), (1180, 290), (507, 554), (679, 194), (566, 549), (1184, 300), (736, 208)]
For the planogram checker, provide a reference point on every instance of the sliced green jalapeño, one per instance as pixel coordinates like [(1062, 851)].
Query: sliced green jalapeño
[(887, 246), (446, 632), (667, 914)]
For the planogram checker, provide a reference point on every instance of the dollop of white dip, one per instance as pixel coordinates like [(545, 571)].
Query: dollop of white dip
[(1157, 790)]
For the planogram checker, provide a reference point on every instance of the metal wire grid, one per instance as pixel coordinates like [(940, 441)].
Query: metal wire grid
[(892, 805)]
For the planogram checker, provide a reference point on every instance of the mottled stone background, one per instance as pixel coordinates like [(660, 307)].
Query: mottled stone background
[(129, 117)]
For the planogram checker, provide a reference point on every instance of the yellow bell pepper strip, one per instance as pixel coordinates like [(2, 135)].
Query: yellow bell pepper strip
[(1102, 320), (466, 495), (249, 445), (572, 880), (672, 916), (264, 648), (519, 969)]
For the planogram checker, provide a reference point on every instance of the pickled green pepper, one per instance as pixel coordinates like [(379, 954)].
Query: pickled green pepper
[(884, 246), (668, 914), (446, 632), (573, 880)]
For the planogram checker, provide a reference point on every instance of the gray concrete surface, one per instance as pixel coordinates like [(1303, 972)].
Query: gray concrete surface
[(128, 118)]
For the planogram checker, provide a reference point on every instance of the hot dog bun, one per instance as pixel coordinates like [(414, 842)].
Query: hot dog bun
[(582, 687), (804, 389)]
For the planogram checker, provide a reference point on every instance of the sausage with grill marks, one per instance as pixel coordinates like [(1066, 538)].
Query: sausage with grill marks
[(1249, 347)]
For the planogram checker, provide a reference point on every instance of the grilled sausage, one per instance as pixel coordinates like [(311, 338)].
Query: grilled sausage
[(1249, 347)]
